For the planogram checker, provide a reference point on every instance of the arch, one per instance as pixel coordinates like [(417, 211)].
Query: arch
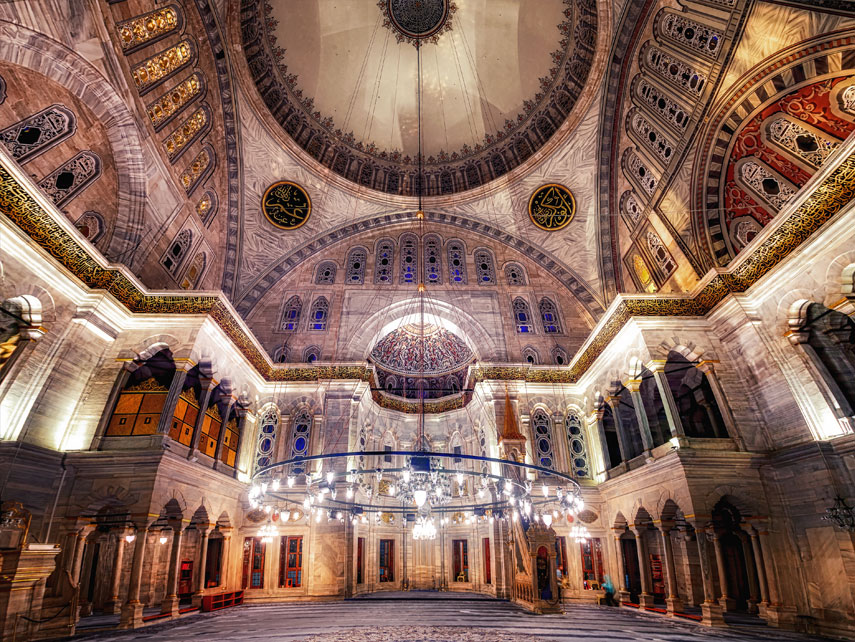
[(39, 132), (530, 355), (301, 435), (91, 225), (174, 256), (325, 273), (559, 356), (541, 430), (694, 398), (268, 429), (689, 34), (312, 354), (206, 206), (456, 250), (196, 270), (35, 51), (574, 430), (432, 248), (280, 355)]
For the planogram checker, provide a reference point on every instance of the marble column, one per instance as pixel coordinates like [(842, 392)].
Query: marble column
[(645, 598), (751, 570), (200, 571), (208, 385), (707, 406), (133, 609), (225, 559), (222, 434), (242, 440), (170, 601), (85, 580), (634, 387), (726, 602), (673, 602), (758, 563), (77, 560), (175, 389), (771, 584), (711, 613), (623, 592), (623, 443), (672, 413), (113, 605), (708, 369), (597, 419)]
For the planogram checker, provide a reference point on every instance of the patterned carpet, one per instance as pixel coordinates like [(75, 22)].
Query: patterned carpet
[(423, 634)]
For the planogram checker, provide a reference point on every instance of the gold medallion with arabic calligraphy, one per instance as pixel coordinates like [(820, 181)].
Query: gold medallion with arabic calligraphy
[(286, 205), (552, 207)]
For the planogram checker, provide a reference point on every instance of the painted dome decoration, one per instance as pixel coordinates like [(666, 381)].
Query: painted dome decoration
[(400, 351)]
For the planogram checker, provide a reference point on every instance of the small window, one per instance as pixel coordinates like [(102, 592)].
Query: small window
[(522, 316)]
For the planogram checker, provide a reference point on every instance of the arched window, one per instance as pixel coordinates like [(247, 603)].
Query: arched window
[(191, 129), (515, 274), (630, 209), (433, 263), (662, 105), (177, 251), (198, 169), (660, 254), (456, 263), (484, 268), (36, 134), (153, 71), (531, 356), (650, 137), (383, 263), (91, 225), (266, 437), (326, 273), (194, 273), (673, 70), (576, 441), (63, 184), (764, 182), (542, 429), (300, 437), (549, 316), (206, 208), (409, 258), (166, 107), (147, 28), (642, 274), (688, 33), (280, 355), (291, 314), (482, 450), (522, 316), (559, 356), (638, 172), (805, 143), (356, 266), (311, 354), (319, 314)]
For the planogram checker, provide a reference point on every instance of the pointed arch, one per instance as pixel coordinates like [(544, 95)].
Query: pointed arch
[(291, 314)]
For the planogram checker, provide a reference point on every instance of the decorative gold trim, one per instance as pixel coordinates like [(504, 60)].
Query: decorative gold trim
[(572, 201), (292, 184)]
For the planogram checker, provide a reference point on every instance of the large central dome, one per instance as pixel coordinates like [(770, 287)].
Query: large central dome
[(499, 77)]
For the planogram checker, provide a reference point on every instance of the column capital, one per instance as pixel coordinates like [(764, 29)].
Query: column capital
[(633, 385), (707, 365), (656, 365), (665, 525), (612, 400)]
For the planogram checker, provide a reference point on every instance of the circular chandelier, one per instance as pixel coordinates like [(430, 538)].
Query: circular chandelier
[(430, 490)]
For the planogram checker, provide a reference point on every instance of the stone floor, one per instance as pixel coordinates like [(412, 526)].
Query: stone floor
[(429, 621)]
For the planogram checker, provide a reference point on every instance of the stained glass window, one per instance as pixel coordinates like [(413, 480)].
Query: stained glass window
[(291, 314), (311, 354), (384, 261), (531, 356), (484, 268), (300, 436), (178, 249), (319, 314), (515, 274), (356, 266), (433, 264), (326, 273), (266, 437), (28, 138), (456, 262), (522, 316), (409, 259), (542, 429), (578, 449), (549, 316)]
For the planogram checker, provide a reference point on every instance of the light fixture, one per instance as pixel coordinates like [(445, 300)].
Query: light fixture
[(290, 481), (130, 538), (275, 484), (162, 539), (545, 490), (547, 519), (420, 496), (330, 476)]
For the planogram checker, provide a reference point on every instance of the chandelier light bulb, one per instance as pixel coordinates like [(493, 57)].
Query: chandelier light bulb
[(406, 476), (267, 509), (555, 514), (285, 515), (318, 517), (545, 490), (275, 484), (333, 493), (338, 515), (480, 493), (263, 487), (547, 519), (516, 515), (392, 491), (291, 481), (350, 492), (491, 519), (163, 539), (130, 538), (306, 503), (330, 476), (459, 477), (420, 496)]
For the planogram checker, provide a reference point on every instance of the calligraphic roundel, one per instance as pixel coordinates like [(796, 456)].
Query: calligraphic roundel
[(286, 205), (552, 207)]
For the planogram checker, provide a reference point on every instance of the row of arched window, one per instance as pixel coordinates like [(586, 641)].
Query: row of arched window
[(432, 257), (548, 313), (299, 439), (543, 446), (293, 312)]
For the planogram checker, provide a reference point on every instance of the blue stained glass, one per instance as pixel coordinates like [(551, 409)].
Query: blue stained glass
[(300, 444)]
